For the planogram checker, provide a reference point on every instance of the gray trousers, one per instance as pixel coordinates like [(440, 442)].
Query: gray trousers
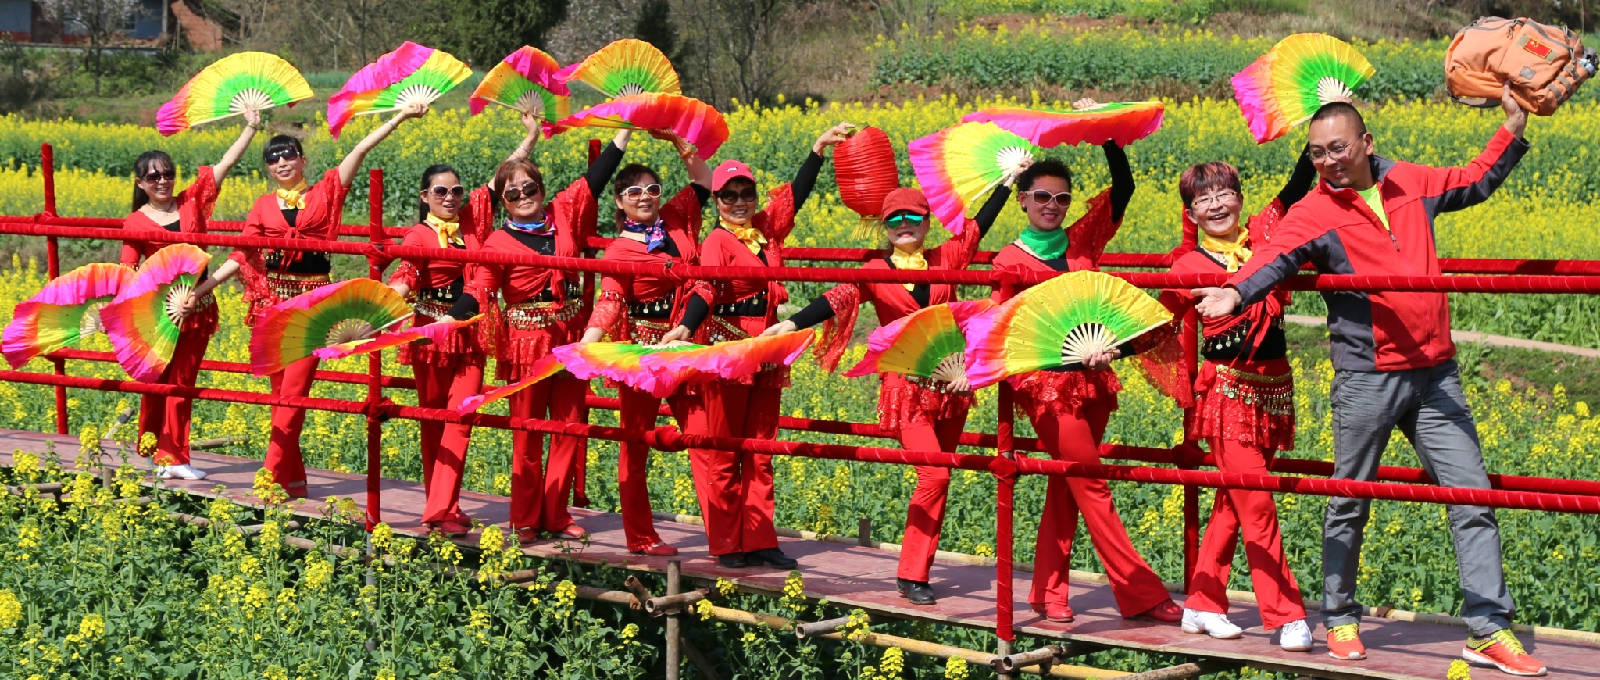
[(1429, 408)]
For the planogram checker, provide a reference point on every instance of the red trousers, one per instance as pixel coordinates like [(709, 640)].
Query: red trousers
[(1074, 435), (638, 414), (444, 445), (925, 514), (283, 447), (1256, 514), (168, 417), (539, 488), (735, 487)]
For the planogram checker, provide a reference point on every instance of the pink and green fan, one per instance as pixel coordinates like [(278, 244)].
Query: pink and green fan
[(687, 117), (1060, 322), (247, 81), (525, 81), (1120, 122), (433, 332), (545, 367), (621, 362), (329, 316), (627, 66), (958, 165), (733, 360), (928, 343), (1285, 86), (64, 311), (144, 321), (412, 73)]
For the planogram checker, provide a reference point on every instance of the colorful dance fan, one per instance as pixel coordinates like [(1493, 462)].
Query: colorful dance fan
[(332, 315), (526, 81), (627, 66), (545, 367), (143, 322), (928, 343), (958, 165), (1285, 86), (64, 311), (621, 362), (734, 360), (433, 332), (687, 117), (864, 166), (247, 81), (411, 73), (1060, 322), (1120, 122)]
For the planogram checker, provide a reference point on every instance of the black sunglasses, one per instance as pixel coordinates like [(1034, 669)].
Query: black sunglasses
[(440, 191), (729, 196), (651, 190), (158, 175), (1041, 196), (280, 155), (529, 188)]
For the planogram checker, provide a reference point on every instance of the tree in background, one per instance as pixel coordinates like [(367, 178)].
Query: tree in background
[(482, 32), (98, 21), (738, 51)]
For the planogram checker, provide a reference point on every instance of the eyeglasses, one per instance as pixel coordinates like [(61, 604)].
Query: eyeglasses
[(440, 191), (529, 189), (1042, 197), (911, 219), (1215, 198), (281, 155), (1334, 151), (730, 197), (159, 175), (651, 190)]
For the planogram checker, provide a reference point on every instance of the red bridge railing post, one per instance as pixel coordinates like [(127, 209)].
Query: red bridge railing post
[(1005, 510), (1188, 338), (47, 169), (580, 467), (374, 359)]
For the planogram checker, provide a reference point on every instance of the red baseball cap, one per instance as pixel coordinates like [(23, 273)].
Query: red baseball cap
[(728, 171), (904, 200)]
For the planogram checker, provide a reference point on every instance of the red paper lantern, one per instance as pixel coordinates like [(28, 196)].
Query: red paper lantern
[(866, 172)]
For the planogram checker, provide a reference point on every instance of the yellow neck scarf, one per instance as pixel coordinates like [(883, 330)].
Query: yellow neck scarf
[(293, 197), (908, 261), (750, 236), (1234, 253), (449, 231)]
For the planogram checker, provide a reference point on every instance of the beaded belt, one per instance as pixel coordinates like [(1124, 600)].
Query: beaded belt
[(659, 308), (432, 308), (755, 305), (285, 285), (446, 295), (532, 315), (1232, 336), (647, 332), (1273, 393), (573, 291), (719, 329), (931, 384)]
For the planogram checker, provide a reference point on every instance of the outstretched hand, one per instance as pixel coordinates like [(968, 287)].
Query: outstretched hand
[(1099, 360), (1215, 302), (779, 328), (1516, 117), (1084, 103), (833, 136), (413, 110)]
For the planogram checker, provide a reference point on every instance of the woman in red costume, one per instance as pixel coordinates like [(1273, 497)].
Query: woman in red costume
[(928, 414), (735, 488), (155, 208), (294, 210), (1244, 403), (643, 308), (541, 311), (1069, 406)]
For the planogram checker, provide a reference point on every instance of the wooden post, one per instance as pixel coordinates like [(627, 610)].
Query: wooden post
[(864, 532), (674, 575)]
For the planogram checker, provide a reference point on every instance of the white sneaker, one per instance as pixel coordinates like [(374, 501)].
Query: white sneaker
[(1211, 623), (1295, 636), (184, 471)]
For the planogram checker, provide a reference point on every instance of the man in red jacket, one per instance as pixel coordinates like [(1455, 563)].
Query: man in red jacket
[(1392, 355)]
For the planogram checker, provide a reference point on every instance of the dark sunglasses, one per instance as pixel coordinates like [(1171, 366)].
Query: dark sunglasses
[(440, 191), (281, 155), (529, 188), (651, 190), (1041, 196), (909, 218), (158, 175), (730, 197)]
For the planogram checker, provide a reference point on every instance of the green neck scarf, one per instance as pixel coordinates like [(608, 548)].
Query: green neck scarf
[(1047, 245)]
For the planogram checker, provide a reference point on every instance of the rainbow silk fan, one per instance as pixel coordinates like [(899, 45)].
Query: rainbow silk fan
[(627, 66), (247, 81), (958, 165), (1060, 322), (1120, 122), (621, 362), (545, 367), (928, 343), (1285, 86), (144, 321), (733, 360), (64, 311), (526, 81), (334, 314), (433, 332), (412, 73), (687, 117)]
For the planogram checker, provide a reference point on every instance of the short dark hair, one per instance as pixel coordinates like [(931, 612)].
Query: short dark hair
[(1340, 109), (427, 181), (281, 143), (626, 177), (1048, 167), (142, 166)]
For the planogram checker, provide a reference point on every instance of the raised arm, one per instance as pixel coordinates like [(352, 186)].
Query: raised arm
[(1121, 179), (352, 161), (601, 170), (806, 178), (230, 158), (1464, 187), (1300, 180)]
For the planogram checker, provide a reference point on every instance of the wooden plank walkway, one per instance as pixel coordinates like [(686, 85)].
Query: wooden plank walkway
[(854, 576)]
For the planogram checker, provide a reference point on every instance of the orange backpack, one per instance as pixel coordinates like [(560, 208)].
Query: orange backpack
[(1545, 64)]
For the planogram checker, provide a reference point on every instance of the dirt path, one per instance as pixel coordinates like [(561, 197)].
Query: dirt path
[(1481, 338)]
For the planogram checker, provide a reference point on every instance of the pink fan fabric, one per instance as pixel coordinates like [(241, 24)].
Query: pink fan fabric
[(432, 332), (886, 337), (387, 70), (545, 367), (689, 118)]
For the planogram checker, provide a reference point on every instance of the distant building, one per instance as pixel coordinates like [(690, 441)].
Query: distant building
[(25, 22)]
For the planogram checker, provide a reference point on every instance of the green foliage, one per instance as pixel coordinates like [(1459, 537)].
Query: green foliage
[(1170, 11), (482, 32)]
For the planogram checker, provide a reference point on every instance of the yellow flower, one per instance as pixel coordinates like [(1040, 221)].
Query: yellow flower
[(892, 663), (92, 627), (10, 610), (955, 668), (705, 609), (1459, 670)]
